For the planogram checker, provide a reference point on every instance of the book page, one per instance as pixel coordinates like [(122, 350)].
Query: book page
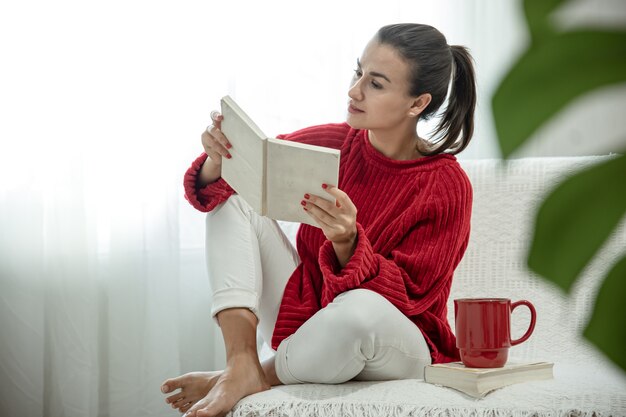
[(294, 169), (244, 172)]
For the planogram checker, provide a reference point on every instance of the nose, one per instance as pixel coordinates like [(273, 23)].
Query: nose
[(355, 92)]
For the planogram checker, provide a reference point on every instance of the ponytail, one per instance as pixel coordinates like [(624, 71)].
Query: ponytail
[(458, 119), (433, 62)]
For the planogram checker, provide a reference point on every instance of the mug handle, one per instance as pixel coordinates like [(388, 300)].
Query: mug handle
[(533, 318)]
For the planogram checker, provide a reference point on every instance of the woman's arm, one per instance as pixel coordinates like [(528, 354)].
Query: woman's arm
[(202, 186), (413, 273), (216, 146), (209, 173)]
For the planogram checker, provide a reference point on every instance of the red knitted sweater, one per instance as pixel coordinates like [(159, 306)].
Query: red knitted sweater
[(413, 226)]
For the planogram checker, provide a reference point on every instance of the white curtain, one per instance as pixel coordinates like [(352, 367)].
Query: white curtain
[(103, 289)]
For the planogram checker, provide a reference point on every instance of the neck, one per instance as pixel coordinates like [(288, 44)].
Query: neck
[(398, 144)]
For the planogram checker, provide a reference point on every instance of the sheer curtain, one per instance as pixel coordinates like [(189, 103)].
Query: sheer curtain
[(103, 289)]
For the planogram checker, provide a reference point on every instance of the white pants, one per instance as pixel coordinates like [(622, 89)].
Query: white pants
[(360, 335)]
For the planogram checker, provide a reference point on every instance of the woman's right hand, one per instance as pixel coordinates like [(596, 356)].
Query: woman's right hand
[(213, 140), (216, 146)]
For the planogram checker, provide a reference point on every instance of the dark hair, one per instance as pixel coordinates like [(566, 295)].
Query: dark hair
[(433, 62)]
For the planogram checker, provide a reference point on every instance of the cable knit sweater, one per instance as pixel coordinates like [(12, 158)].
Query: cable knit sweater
[(413, 225)]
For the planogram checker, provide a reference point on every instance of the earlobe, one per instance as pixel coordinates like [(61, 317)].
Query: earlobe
[(420, 104)]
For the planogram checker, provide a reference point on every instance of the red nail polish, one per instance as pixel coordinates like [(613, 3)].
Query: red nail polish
[(228, 146), (307, 196), (229, 156), (324, 186), (305, 209), (303, 203)]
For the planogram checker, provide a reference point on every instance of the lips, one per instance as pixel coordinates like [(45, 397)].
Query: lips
[(354, 110)]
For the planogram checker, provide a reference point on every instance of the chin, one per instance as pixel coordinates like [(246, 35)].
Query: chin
[(355, 124)]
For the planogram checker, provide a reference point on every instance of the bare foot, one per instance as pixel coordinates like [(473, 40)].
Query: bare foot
[(193, 387), (243, 376)]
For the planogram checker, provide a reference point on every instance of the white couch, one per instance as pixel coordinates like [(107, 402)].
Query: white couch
[(506, 196)]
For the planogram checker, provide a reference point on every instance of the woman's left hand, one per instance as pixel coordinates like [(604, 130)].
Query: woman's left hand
[(337, 220)]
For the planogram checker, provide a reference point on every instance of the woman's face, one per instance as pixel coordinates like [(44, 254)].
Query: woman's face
[(379, 93)]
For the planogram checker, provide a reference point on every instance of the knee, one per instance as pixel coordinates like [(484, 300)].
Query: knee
[(228, 217), (235, 205), (356, 311)]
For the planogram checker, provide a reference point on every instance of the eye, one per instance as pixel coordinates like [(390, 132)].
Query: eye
[(376, 85), (357, 72)]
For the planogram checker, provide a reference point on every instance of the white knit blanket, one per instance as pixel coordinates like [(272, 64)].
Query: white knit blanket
[(573, 392), (506, 196)]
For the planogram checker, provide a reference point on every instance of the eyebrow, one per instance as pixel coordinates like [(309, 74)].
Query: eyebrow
[(373, 73)]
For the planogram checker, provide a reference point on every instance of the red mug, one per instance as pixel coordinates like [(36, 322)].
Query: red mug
[(483, 330)]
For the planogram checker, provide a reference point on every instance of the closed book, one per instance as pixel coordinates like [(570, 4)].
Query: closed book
[(271, 174), (478, 382)]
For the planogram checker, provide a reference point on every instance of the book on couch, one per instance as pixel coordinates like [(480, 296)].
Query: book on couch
[(273, 175), (478, 382)]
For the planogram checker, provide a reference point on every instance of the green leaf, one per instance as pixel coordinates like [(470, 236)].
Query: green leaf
[(537, 16), (606, 328), (549, 76), (576, 219)]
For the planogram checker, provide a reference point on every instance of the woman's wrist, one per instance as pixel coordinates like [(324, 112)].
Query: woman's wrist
[(345, 249), (209, 172)]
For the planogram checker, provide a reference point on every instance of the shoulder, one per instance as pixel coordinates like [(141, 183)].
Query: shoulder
[(331, 135), (451, 185), (452, 174)]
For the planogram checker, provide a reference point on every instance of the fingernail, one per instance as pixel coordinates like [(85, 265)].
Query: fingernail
[(229, 156), (303, 203), (305, 209), (164, 388), (228, 146), (307, 196), (324, 186)]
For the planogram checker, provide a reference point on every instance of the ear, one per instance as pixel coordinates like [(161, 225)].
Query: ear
[(419, 104)]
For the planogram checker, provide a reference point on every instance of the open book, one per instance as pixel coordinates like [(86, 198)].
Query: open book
[(477, 382), (273, 175)]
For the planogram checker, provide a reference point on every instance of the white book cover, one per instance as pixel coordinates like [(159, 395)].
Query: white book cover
[(478, 382), (245, 171), (273, 175)]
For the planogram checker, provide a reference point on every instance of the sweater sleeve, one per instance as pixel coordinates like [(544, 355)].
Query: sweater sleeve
[(419, 269), (207, 198)]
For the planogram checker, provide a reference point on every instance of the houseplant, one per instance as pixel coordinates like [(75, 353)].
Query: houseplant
[(577, 218)]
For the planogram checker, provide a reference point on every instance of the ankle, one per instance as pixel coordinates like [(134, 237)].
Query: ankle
[(238, 354), (238, 327), (269, 369)]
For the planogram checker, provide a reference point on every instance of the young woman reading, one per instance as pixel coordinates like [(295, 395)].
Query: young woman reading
[(364, 295)]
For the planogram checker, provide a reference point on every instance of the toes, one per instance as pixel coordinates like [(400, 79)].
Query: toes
[(185, 408), (211, 412), (172, 384), (179, 404), (194, 408), (173, 398)]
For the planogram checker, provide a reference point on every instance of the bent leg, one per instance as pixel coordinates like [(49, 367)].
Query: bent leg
[(360, 335), (249, 260)]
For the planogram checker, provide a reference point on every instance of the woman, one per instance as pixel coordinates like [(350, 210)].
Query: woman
[(364, 297)]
